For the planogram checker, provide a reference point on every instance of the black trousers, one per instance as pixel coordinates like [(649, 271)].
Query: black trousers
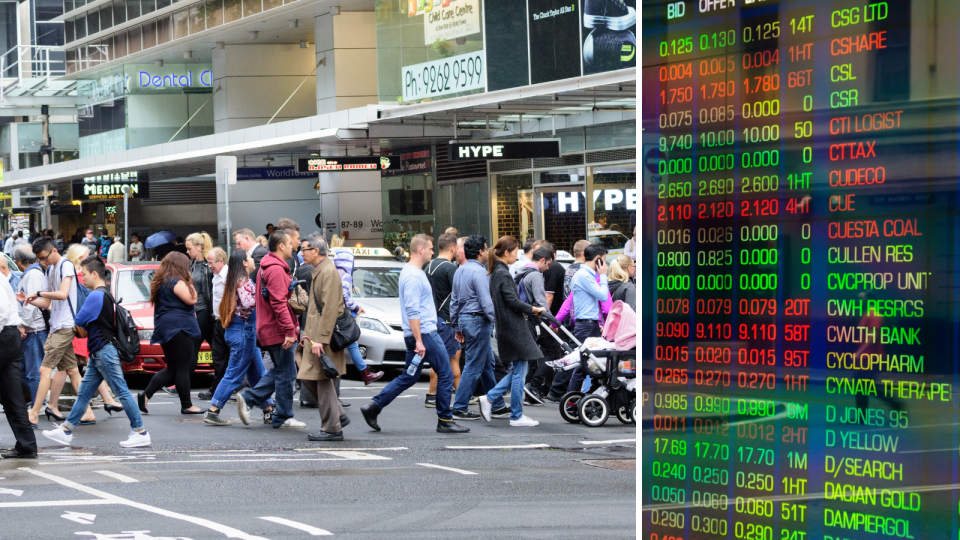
[(206, 321), (180, 354), (221, 354), (11, 393), (542, 377)]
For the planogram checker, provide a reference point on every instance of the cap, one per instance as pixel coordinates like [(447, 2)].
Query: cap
[(89, 231)]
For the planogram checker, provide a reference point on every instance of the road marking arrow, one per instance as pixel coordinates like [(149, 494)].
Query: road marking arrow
[(14, 492), (84, 519)]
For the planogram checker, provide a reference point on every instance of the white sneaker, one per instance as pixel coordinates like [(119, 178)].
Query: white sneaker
[(293, 423), (58, 435), (243, 410), (485, 408), (136, 440), (524, 421)]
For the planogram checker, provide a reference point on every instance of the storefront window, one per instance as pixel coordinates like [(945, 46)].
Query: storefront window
[(611, 135), (514, 205), (614, 198), (407, 208)]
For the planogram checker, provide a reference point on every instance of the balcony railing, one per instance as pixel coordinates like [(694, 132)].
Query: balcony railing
[(30, 62)]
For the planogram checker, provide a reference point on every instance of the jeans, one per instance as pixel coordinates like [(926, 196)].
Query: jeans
[(245, 360), (32, 358), (104, 365), (279, 381), (437, 356), (354, 351), (11, 394), (514, 381), (479, 361)]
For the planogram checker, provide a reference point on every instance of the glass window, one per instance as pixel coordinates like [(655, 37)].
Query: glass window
[(148, 6), (67, 6), (81, 27), (77, 4), (611, 136), (134, 40), (106, 17), (232, 10), (270, 4), (164, 3), (252, 7), (106, 46), (71, 60), (214, 11), (119, 11), (68, 34), (149, 34), (133, 9), (571, 141), (180, 24), (93, 22), (120, 45), (163, 30), (197, 18), (376, 283), (134, 285)]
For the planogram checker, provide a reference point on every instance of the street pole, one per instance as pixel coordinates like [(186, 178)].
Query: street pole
[(126, 224), (226, 206)]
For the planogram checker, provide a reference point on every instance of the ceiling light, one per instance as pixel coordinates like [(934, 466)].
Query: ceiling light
[(158, 63)]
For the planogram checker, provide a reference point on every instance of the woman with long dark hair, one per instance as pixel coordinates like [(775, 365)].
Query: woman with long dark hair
[(173, 296), (239, 318), (515, 342)]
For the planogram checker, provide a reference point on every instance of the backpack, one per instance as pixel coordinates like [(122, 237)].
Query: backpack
[(521, 288), (82, 291), (127, 341)]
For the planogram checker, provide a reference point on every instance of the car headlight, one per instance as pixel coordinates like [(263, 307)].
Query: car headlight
[(373, 324), (145, 335)]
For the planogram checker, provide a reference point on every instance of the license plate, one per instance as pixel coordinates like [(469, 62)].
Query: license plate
[(206, 357)]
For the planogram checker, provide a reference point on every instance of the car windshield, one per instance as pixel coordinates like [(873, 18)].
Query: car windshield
[(611, 240), (376, 283), (134, 285)]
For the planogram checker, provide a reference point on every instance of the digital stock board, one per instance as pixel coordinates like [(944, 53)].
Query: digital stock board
[(801, 307)]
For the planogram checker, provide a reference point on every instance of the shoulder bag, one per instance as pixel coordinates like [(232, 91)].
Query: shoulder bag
[(346, 331)]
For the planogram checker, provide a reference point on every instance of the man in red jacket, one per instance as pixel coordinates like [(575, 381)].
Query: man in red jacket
[(277, 332)]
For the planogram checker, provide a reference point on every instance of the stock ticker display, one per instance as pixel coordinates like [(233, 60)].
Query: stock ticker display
[(802, 311)]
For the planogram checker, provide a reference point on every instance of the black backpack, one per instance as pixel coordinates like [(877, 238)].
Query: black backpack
[(128, 336)]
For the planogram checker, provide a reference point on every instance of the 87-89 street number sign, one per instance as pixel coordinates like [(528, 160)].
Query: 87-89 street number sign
[(445, 76)]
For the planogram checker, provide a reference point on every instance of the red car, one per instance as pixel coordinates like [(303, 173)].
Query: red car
[(130, 285)]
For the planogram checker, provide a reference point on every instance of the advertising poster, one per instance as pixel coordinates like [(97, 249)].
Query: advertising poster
[(451, 20), (609, 35), (508, 59), (554, 40)]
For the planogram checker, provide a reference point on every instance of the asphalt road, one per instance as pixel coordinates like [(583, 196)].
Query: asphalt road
[(557, 480)]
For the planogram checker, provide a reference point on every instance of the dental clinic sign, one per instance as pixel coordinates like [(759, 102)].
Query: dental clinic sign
[(173, 80), (569, 201)]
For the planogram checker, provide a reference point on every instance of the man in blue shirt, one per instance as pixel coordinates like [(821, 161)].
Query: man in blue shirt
[(97, 317), (589, 288), (422, 340), (471, 312)]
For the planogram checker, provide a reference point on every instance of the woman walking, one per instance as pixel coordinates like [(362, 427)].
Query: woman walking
[(198, 245), (173, 296), (239, 318), (621, 288), (516, 343)]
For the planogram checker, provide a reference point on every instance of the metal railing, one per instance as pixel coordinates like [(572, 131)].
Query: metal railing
[(31, 62)]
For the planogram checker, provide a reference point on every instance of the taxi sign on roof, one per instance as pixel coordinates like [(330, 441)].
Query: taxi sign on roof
[(366, 251)]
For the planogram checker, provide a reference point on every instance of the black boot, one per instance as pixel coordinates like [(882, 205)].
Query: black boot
[(370, 412)]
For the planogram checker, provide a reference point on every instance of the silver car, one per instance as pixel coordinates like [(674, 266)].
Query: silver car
[(376, 290)]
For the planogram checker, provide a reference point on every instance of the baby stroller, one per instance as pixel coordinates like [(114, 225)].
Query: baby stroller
[(611, 388)]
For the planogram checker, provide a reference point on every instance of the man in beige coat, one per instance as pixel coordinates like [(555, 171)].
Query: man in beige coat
[(326, 304)]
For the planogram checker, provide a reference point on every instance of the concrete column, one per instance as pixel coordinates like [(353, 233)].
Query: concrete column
[(351, 205), (255, 80), (348, 45)]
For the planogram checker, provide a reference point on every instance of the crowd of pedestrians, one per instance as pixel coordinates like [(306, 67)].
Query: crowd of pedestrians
[(292, 301)]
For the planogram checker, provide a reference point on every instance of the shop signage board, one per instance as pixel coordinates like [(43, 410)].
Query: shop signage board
[(272, 173), (415, 162), (527, 149), (110, 186), (569, 201), (451, 75), (450, 20), (347, 164)]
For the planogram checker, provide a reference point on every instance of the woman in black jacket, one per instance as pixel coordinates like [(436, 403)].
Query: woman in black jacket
[(515, 341), (198, 244)]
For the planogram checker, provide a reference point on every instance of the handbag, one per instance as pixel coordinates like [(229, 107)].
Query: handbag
[(346, 331), (298, 300), (329, 369)]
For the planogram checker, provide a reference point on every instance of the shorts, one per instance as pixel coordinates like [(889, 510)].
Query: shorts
[(449, 338), (58, 350)]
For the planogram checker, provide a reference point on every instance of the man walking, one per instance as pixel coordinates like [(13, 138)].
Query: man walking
[(526, 257), (325, 305), (11, 395), (472, 315), (440, 274), (219, 351), (277, 331), (589, 288), (246, 241), (529, 278), (419, 323), (60, 297), (33, 328), (98, 318)]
